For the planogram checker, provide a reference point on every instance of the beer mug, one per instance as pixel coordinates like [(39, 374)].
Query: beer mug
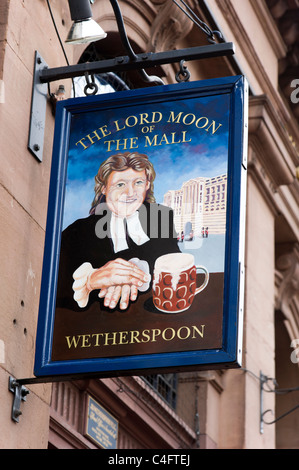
[(174, 283)]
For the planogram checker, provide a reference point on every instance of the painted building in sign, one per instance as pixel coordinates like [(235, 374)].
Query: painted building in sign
[(203, 409), (199, 206)]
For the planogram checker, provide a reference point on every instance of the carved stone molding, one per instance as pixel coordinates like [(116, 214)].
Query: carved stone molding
[(286, 15), (287, 285), (169, 26), (271, 142), (255, 61), (4, 11)]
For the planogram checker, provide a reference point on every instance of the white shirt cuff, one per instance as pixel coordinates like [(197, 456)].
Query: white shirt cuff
[(80, 285)]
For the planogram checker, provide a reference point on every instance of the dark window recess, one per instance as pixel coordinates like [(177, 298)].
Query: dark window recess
[(165, 385), (117, 82)]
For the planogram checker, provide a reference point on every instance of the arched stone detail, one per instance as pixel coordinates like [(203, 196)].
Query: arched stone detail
[(156, 25), (138, 18)]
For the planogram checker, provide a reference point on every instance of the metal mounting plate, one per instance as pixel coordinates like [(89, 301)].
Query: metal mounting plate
[(20, 392), (38, 109)]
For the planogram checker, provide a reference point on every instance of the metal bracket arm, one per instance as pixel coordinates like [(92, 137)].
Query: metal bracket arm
[(20, 392), (144, 60), (44, 75), (264, 381)]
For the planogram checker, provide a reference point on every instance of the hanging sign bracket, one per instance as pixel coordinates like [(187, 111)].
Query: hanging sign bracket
[(44, 75), (20, 393)]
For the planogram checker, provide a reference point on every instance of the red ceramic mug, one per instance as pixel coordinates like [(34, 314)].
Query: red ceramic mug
[(174, 283)]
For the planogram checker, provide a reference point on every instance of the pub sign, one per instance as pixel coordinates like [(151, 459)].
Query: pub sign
[(143, 265)]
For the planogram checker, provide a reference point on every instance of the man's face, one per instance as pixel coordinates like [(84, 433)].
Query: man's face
[(125, 191)]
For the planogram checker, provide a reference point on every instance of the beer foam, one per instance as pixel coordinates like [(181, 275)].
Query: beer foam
[(175, 280), (174, 264)]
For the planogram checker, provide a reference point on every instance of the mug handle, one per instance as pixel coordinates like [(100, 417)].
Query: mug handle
[(206, 281)]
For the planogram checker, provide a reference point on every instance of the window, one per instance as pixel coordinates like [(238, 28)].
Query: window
[(165, 385)]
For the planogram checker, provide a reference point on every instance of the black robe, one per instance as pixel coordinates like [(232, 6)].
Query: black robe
[(80, 244)]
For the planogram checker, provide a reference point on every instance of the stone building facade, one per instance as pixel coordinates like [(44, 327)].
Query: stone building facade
[(205, 409)]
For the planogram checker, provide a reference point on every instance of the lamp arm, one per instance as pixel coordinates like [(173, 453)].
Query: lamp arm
[(127, 45), (122, 29)]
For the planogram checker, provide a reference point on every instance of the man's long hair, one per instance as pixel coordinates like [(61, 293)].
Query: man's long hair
[(122, 162)]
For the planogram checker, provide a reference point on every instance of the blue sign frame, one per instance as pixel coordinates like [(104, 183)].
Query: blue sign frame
[(226, 99)]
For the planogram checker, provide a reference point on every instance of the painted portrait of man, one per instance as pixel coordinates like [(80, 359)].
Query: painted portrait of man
[(109, 256)]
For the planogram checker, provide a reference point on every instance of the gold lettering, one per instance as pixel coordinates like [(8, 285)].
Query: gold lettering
[(198, 121), (200, 333), (172, 334), (143, 119), (97, 335), (104, 130), (123, 339), (108, 338), (109, 142), (184, 137), (164, 139), (155, 333), (134, 337), (117, 126), (133, 142), (192, 119), (122, 144), (179, 332), (85, 341), (146, 335), (172, 118), (97, 137), (151, 142), (213, 125), (80, 142), (73, 342), (168, 140), (173, 139), (135, 121), (94, 136), (160, 115)]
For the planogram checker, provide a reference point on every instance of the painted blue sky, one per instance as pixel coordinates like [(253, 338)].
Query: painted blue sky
[(183, 151)]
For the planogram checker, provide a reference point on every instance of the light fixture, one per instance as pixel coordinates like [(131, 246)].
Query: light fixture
[(84, 28)]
